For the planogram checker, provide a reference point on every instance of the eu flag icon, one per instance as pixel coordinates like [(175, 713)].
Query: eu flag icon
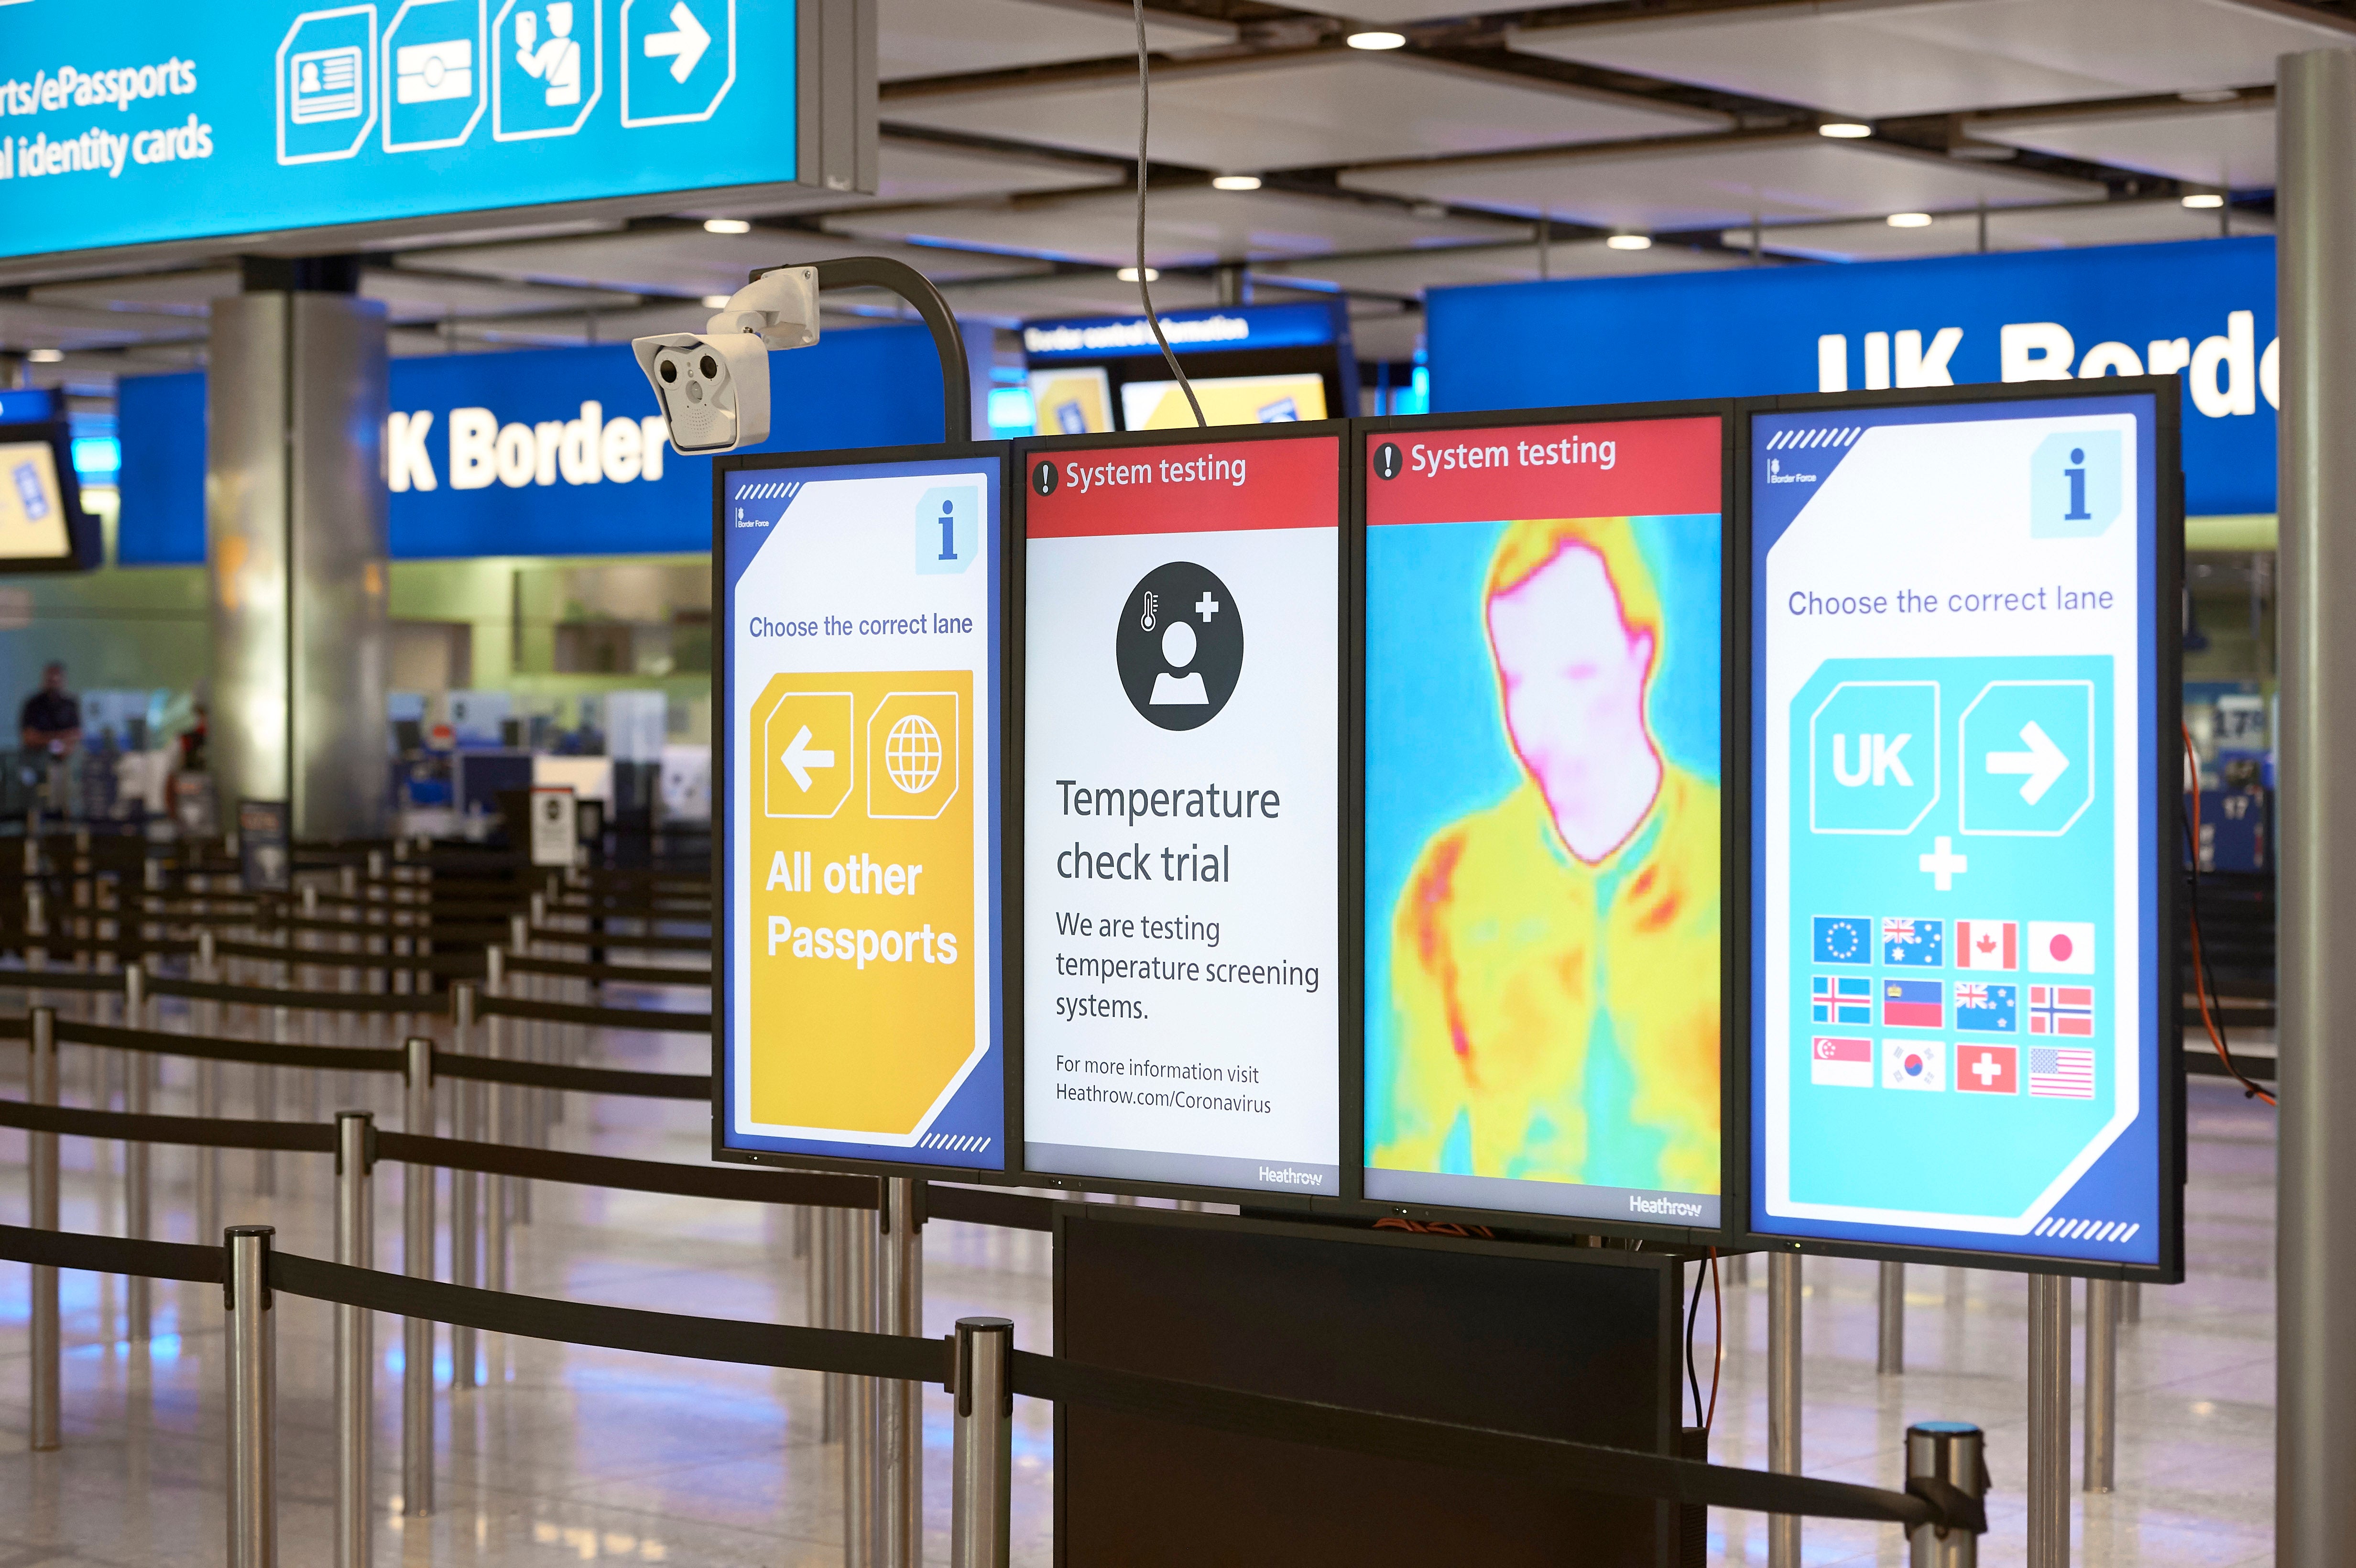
[(1844, 939)]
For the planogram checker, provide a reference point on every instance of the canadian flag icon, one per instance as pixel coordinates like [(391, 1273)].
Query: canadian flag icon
[(1987, 945)]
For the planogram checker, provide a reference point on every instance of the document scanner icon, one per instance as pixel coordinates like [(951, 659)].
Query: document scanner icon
[(429, 73)]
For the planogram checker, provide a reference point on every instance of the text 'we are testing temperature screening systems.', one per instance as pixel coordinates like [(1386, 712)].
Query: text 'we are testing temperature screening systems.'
[(1965, 747), (861, 995), (1181, 811)]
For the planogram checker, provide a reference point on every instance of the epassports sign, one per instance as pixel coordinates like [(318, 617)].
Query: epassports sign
[(1961, 978), (1181, 979), (1544, 938), (859, 1016)]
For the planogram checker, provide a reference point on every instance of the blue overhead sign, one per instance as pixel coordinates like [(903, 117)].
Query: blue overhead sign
[(2203, 309), (129, 123), (558, 452), (1223, 329)]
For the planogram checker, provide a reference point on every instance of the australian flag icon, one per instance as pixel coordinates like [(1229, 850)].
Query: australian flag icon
[(1915, 943)]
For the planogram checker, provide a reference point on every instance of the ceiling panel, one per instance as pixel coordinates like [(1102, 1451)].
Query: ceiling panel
[(411, 296), (688, 262), (1193, 225), (1391, 11), (25, 324), (1074, 293), (940, 37), (171, 293), (911, 170), (1411, 274), (1330, 108), (1879, 58), (2049, 228), (1722, 183), (2231, 148)]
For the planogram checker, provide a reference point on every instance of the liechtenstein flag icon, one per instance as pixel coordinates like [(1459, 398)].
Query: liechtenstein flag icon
[(1913, 1004)]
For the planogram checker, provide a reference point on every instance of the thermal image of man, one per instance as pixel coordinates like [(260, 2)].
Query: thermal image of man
[(1554, 957)]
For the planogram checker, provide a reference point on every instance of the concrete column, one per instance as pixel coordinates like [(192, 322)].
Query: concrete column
[(294, 520), (2315, 1386)]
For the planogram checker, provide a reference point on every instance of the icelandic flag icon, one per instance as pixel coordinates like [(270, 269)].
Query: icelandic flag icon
[(1988, 1009), (1844, 939), (1915, 943), (1913, 1004), (1987, 945), (1842, 1000)]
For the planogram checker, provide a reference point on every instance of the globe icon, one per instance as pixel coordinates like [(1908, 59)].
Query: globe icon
[(911, 754)]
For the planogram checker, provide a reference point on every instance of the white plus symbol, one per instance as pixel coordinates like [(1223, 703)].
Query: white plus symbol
[(1943, 864), (1986, 1069), (1206, 606)]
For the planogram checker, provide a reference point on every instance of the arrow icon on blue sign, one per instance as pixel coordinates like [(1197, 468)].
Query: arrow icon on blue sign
[(2043, 763), (685, 47)]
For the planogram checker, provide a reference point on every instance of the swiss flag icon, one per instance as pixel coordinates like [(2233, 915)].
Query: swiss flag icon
[(1988, 1069)]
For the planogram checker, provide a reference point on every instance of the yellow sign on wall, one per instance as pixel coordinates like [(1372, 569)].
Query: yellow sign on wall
[(861, 945)]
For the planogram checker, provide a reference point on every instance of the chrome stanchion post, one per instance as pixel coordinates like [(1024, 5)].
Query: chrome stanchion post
[(859, 1477), (982, 1464), (138, 1180), (252, 1401), (2102, 1383), (901, 1414), (1953, 1452), (2048, 1420), (1783, 1398), (417, 1262), (1890, 1350), (500, 1199), (41, 1151), (355, 1337), (465, 1186), (2131, 1302), (830, 1308), (208, 1097)]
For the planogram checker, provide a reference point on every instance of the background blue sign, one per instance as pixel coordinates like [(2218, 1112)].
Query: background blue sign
[(127, 122), (563, 489), (2204, 308)]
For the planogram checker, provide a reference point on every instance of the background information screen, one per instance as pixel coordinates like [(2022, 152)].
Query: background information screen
[(860, 848), (1181, 822), (1956, 1030), (1543, 831)]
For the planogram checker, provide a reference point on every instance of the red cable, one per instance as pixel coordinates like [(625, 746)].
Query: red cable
[(2199, 962)]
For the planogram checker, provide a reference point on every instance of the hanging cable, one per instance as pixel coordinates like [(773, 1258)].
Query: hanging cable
[(1145, 290), (1693, 1379), (2204, 984), (1717, 1354)]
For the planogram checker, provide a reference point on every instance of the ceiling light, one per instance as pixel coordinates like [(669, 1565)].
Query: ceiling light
[(46, 356), (727, 226), (2205, 200), (1374, 38), (1909, 220), (1129, 274), (1845, 130), (713, 302), (1630, 242), (2209, 95), (1234, 182)]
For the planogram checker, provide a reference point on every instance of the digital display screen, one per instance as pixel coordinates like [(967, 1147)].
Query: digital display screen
[(1181, 1012), (33, 523), (1225, 399), (859, 844), (1072, 400), (1958, 983), (1543, 837)]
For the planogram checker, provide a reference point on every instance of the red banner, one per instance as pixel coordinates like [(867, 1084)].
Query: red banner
[(1610, 469), (1185, 487)]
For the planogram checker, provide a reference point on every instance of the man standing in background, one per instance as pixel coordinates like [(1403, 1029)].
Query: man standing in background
[(51, 720)]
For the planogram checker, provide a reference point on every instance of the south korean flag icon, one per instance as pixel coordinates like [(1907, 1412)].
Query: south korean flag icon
[(1914, 1065)]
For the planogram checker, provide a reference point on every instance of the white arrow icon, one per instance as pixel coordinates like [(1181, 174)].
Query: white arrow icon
[(2042, 763), (799, 759), (685, 47)]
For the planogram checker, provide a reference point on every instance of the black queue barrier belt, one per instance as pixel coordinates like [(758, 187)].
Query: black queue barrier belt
[(114, 1255), (981, 1206), (15, 939), (435, 1002), (582, 1080), (599, 1018), (817, 1190), (623, 941), (1582, 1467), (617, 973), (465, 964), (269, 1053), (203, 1132), (59, 980)]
